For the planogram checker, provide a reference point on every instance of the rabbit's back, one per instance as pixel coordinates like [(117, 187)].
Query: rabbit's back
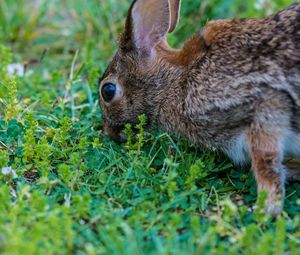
[(250, 66), (268, 49)]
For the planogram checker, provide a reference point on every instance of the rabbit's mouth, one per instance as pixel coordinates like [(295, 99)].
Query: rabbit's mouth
[(115, 133)]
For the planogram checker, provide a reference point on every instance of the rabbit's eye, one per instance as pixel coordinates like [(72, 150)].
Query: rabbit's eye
[(108, 91)]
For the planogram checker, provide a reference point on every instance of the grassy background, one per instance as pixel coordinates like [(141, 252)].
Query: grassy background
[(72, 191)]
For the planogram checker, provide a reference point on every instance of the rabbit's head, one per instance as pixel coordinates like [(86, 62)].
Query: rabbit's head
[(129, 85)]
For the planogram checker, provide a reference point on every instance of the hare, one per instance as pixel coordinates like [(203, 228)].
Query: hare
[(234, 87)]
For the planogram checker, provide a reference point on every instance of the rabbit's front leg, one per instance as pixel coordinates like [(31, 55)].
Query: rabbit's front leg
[(266, 156)]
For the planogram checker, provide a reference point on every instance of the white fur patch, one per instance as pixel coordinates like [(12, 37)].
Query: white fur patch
[(237, 150), (291, 144)]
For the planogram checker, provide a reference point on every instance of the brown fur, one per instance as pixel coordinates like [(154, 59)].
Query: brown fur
[(234, 87), (215, 29), (266, 164), (192, 49)]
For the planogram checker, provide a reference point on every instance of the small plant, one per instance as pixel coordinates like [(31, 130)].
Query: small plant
[(136, 143), (11, 104)]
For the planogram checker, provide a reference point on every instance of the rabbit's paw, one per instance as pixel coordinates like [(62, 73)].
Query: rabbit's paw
[(274, 205)]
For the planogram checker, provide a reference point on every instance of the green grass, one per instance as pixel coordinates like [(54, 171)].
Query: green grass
[(76, 192)]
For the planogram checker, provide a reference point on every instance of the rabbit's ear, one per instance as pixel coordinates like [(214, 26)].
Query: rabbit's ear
[(175, 14), (149, 22)]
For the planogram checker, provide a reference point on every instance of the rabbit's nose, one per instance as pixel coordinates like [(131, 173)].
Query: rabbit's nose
[(118, 138), (115, 134)]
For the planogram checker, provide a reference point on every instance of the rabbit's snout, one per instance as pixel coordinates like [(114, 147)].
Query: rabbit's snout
[(114, 132)]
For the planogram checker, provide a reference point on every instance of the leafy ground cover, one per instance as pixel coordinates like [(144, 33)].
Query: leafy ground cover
[(66, 189)]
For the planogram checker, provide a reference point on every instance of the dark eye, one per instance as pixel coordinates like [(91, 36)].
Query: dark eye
[(108, 91)]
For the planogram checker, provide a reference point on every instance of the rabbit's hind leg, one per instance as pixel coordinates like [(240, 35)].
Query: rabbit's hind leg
[(266, 155)]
